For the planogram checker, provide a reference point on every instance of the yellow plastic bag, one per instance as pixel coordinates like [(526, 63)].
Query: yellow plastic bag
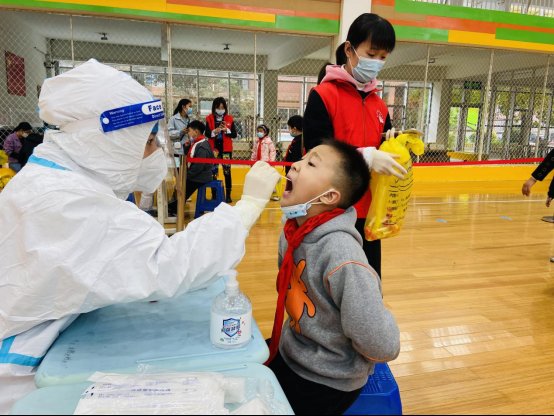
[(390, 195), (5, 175)]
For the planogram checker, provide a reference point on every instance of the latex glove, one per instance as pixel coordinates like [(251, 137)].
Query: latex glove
[(260, 181), (526, 188), (258, 187), (395, 133), (383, 163)]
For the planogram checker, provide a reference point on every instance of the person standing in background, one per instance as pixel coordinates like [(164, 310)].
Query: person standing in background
[(295, 150), (13, 144), (178, 125), (264, 149), (539, 174), (220, 131), (346, 105)]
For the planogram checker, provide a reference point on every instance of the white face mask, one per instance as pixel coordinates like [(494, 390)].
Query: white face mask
[(301, 210), (24, 135), (219, 112), (260, 134), (152, 172)]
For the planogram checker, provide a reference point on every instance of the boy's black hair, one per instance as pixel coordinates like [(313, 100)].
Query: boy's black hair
[(23, 126), (296, 122), (217, 102), (352, 178), (372, 27), (197, 125)]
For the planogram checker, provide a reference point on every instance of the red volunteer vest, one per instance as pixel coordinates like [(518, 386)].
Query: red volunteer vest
[(227, 140), (356, 121)]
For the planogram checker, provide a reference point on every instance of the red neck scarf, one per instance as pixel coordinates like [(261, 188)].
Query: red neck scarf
[(259, 155), (198, 139), (295, 235)]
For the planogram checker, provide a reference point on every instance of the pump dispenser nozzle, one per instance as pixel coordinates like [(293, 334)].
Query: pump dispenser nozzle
[(232, 284)]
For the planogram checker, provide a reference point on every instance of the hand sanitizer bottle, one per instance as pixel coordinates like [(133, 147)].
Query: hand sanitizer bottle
[(231, 317)]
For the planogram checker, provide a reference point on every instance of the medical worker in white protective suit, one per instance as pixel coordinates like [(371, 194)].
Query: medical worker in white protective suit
[(69, 243)]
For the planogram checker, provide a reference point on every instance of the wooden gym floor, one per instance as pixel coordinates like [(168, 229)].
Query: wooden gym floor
[(471, 286)]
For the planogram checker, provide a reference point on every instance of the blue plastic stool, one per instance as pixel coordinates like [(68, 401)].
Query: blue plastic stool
[(380, 395), (204, 204)]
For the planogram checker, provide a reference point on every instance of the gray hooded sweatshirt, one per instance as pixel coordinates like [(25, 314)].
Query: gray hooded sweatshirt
[(338, 327)]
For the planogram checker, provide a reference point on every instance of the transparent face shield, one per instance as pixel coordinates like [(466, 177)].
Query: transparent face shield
[(160, 147), (157, 173)]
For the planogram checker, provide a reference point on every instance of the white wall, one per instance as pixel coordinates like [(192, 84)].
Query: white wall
[(20, 39)]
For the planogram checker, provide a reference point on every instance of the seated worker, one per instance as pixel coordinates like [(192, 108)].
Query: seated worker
[(337, 326), (70, 243)]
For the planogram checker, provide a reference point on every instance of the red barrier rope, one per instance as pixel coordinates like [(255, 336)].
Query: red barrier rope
[(232, 161), (482, 162), (467, 163)]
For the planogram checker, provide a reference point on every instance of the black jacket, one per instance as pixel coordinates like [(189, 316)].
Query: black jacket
[(28, 145), (294, 151), (201, 172), (544, 169)]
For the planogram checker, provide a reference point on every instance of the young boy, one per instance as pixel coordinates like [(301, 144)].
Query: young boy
[(337, 326), (198, 174)]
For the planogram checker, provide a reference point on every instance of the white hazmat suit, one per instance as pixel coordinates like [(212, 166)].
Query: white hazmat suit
[(70, 244)]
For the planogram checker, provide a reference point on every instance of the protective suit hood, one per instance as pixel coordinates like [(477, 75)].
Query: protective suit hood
[(74, 101)]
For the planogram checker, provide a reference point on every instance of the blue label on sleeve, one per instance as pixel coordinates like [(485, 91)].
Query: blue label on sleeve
[(131, 115)]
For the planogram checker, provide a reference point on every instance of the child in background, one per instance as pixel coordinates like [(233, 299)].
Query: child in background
[(264, 149), (198, 174), (337, 326)]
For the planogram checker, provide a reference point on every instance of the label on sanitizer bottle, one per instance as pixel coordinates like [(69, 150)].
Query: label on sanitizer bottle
[(228, 331)]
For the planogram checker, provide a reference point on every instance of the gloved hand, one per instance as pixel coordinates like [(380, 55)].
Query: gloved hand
[(383, 163), (260, 181), (258, 187), (395, 133)]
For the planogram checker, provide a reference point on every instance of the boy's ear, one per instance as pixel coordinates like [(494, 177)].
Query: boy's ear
[(331, 198)]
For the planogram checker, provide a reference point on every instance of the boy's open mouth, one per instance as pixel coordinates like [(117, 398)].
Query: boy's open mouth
[(288, 185)]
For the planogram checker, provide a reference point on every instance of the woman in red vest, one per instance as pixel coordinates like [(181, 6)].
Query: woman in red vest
[(347, 107), (220, 131)]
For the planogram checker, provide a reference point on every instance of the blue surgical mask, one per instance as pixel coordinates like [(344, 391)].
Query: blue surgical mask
[(260, 134), (189, 111), (301, 210), (367, 69), (220, 112)]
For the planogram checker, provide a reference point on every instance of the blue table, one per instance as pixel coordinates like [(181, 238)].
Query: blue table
[(63, 399), (171, 334)]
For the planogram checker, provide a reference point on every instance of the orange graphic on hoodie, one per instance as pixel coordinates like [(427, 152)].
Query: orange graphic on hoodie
[(297, 298)]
